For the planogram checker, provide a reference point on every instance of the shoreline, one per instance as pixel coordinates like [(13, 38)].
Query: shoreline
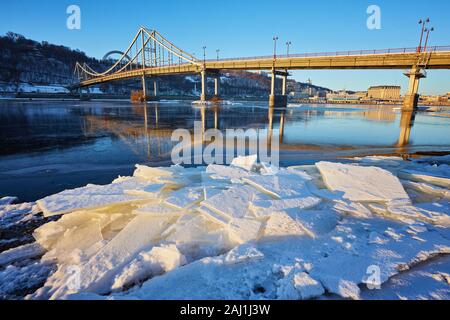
[(184, 98), (97, 97)]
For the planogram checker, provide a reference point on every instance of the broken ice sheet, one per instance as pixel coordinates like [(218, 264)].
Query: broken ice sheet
[(299, 286), (7, 200), (352, 208), (185, 198), (27, 251), (264, 208), (428, 189), (98, 273), (234, 202), (384, 212), (438, 215), (158, 210), (92, 197), (244, 230), (157, 261), (152, 191), (243, 253), (432, 213), (232, 174), (268, 169), (75, 243), (418, 176), (362, 184), (214, 216), (278, 186), (12, 213), (153, 174), (197, 236), (247, 163), (318, 222), (280, 224)]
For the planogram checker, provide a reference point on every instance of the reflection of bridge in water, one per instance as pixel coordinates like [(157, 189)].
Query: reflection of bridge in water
[(149, 134)]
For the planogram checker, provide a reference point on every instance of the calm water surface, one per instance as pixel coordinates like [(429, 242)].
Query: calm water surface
[(49, 146)]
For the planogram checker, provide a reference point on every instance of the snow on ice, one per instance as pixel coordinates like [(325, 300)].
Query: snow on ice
[(247, 231)]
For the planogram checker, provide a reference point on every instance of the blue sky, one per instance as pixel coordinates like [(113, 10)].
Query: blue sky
[(244, 28)]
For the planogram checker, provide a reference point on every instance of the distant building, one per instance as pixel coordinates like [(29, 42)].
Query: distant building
[(384, 93), (444, 99), (361, 94), (342, 96), (298, 95)]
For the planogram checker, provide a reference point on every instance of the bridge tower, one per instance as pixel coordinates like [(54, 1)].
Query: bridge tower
[(412, 96), (144, 84)]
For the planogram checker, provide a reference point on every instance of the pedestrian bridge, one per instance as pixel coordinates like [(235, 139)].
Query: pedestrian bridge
[(152, 55)]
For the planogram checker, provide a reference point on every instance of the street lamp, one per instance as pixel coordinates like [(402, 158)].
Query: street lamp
[(428, 36), (288, 44), (424, 24), (217, 51), (204, 54), (275, 38)]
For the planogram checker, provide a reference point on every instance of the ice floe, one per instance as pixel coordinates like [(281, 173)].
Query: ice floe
[(442, 181), (362, 184), (157, 261), (93, 196), (246, 163), (234, 202)]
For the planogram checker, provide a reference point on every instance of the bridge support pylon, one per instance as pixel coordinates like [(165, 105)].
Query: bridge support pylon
[(203, 80), (412, 96), (155, 89), (216, 86), (274, 99), (406, 123), (144, 88)]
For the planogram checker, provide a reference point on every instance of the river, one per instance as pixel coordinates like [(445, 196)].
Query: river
[(50, 146)]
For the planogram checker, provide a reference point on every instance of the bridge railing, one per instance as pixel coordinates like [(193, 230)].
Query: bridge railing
[(343, 53)]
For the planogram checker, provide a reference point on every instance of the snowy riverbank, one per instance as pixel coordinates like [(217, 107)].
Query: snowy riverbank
[(247, 231)]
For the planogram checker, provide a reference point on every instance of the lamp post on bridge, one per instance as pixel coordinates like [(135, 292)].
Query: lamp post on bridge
[(203, 76), (424, 24), (217, 51), (428, 36), (275, 38), (288, 45)]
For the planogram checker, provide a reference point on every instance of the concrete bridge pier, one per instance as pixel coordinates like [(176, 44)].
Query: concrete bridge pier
[(274, 99), (406, 123), (146, 94), (83, 96), (155, 89), (284, 85), (412, 96), (216, 86), (144, 88), (203, 80)]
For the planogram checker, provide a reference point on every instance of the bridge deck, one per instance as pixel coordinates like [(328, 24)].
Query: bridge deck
[(353, 60)]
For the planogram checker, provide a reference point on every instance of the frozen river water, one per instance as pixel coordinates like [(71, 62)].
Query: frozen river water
[(50, 146)]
